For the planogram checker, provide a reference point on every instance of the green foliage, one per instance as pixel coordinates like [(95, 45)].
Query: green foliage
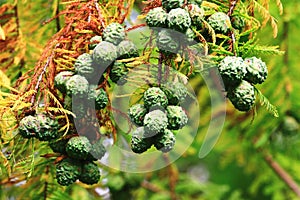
[(27, 166), (265, 102)]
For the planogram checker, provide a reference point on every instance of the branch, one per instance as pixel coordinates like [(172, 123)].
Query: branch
[(58, 27), (46, 184), (40, 79), (282, 174), (231, 7), (159, 75), (230, 12)]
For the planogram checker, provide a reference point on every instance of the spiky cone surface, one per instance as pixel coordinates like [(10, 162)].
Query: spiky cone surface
[(78, 147), (84, 65), (127, 49), (48, 128), (243, 96), (165, 141), (58, 146), (140, 143), (179, 20), (114, 33), (118, 73), (29, 126), (176, 92), (157, 17), (77, 85), (177, 118), (233, 70), (257, 71), (154, 97), (104, 54), (168, 42), (171, 4), (60, 80), (196, 14), (67, 171), (97, 152), (155, 122), (137, 114), (94, 41), (99, 96), (90, 173), (220, 22)]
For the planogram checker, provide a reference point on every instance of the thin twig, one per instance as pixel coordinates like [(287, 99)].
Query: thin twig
[(230, 12), (282, 174), (57, 21), (159, 73), (173, 177), (46, 184), (40, 79), (99, 13)]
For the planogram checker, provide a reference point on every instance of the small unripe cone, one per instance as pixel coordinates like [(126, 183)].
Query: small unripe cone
[(104, 54), (176, 92), (155, 122), (257, 71), (232, 70), (179, 19), (48, 128), (165, 141), (242, 96), (220, 22), (157, 17), (77, 85), (97, 152), (58, 146), (60, 80), (114, 33), (67, 171), (154, 97), (29, 126), (177, 118), (99, 96), (127, 49), (78, 147), (167, 41), (137, 114), (84, 64), (140, 143), (90, 173), (118, 73)]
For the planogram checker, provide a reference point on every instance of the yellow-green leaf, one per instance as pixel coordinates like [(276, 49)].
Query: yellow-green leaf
[(2, 34)]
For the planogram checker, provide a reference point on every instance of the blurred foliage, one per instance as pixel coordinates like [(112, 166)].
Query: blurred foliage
[(236, 168)]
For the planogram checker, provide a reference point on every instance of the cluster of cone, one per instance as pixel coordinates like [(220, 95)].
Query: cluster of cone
[(79, 163), (157, 118), (239, 76)]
